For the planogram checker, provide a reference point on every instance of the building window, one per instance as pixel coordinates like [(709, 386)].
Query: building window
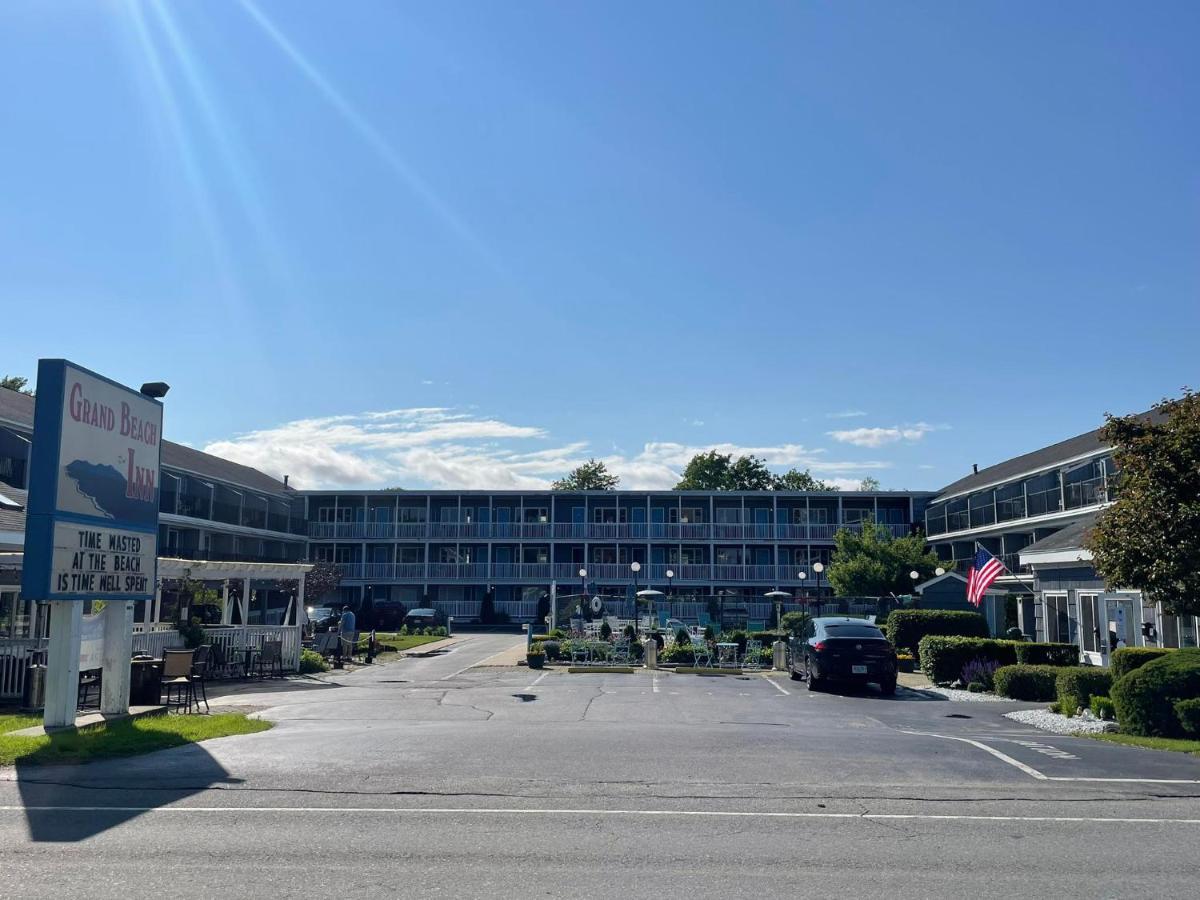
[(686, 515)]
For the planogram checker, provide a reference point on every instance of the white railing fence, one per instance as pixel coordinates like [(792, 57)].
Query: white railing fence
[(234, 638), (155, 642), (15, 654)]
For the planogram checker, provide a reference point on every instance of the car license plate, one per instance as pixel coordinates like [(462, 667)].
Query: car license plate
[(858, 670)]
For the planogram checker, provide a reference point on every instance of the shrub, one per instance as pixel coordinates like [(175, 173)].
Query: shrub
[(1188, 713), (766, 638), (553, 649), (976, 687), (536, 650), (1024, 682), (605, 631), (942, 658), (1077, 685), (1126, 659), (1042, 654), (1014, 634), (312, 661), (1102, 708), (629, 632), (680, 655), (709, 634), (906, 627), (979, 672), (683, 638), (1145, 698)]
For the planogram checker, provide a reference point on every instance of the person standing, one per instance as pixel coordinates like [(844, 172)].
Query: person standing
[(345, 629)]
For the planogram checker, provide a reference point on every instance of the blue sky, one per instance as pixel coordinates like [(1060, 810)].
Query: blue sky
[(470, 244)]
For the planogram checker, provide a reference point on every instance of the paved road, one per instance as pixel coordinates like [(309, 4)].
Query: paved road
[(437, 775)]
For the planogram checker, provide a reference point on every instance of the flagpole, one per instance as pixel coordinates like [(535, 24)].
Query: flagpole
[(979, 546)]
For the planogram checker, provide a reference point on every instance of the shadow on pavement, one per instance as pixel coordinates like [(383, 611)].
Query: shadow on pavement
[(65, 804)]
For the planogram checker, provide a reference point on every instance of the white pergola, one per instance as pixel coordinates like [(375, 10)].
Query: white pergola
[(170, 568)]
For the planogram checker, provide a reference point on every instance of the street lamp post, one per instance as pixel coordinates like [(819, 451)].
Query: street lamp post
[(635, 567), (818, 567), (582, 584), (670, 575)]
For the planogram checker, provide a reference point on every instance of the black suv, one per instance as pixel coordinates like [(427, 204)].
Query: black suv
[(843, 649)]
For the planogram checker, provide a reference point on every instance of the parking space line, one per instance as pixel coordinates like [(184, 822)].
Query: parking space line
[(654, 682), (1028, 770), (537, 681), (779, 687)]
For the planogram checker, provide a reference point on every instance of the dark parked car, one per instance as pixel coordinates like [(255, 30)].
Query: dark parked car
[(844, 650), (424, 618)]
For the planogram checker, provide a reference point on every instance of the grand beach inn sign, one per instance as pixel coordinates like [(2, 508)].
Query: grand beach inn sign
[(92, 525)]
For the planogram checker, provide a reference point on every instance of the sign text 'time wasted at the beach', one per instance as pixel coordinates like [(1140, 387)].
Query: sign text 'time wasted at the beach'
[(92, 526)]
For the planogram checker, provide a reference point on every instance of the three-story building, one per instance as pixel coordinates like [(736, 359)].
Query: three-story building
[(454, 550)]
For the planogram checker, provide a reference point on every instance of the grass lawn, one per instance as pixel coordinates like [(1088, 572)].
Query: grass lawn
[(16, 723), (128, 737), (1179, 745), (401, 641)]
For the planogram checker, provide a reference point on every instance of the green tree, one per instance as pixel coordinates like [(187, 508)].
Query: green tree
[(593, 475), (873, 563), (323, 578), (16, 383), (715, 471), (869, 483), (707, 472), (1149, 540), (795, 480)]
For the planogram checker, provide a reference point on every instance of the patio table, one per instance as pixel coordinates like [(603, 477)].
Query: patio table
[(727, 652)]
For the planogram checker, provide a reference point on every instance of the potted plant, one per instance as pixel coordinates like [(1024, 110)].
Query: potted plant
[(535, 657)]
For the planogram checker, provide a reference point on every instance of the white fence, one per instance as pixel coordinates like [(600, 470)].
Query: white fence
[(14, 664), (15, 653), (235, 638)]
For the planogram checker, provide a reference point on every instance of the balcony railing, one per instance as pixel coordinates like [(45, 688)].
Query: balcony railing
[(567, 574), (592, 531)]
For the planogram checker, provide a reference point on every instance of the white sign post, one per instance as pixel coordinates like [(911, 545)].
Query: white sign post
[(92, 526)]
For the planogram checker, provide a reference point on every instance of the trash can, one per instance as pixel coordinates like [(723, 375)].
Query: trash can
[(651, 651), (779, 656), (145, 682), (33, 696)]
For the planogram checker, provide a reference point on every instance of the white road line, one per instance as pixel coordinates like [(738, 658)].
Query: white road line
[(779, 687), (681, 813), (537, 681), (1028, 770), (654, 682), (1127, 780)]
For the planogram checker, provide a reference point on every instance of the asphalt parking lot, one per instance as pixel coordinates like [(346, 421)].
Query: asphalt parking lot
[(441, 774)]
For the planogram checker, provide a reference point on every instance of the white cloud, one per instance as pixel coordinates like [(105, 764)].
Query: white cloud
[(449, 448), (879, 437), (846, 414)]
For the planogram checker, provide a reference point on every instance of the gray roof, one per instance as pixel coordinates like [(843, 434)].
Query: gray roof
[(12, 519), (17, 408), (1069, 538), (1047, 457)]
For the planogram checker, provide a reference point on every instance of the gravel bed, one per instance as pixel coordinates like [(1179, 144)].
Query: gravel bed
[(1059, 724), (956, 694)]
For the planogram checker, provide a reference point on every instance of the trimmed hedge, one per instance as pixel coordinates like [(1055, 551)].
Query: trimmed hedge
[(1020, 682), (1127, 659), (1044, 654), (1188, 713), (1146, 697), (1077, 685), (906, 627), (942, 658)]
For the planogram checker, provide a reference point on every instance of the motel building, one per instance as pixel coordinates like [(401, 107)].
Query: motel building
[(1033, 512), (236, 531), (475, 554)]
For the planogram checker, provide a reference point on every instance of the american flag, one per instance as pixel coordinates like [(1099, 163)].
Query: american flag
[(981, 575)]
